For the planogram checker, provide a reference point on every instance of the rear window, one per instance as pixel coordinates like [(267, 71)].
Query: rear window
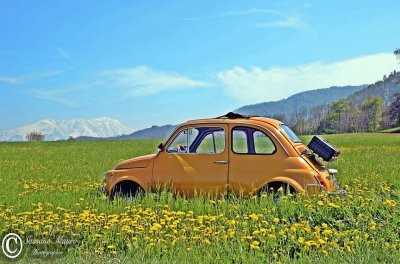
[(248, 140), (290, 134)]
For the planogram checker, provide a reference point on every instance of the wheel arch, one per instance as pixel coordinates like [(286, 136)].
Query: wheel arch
[(127, 183), (283, 180)]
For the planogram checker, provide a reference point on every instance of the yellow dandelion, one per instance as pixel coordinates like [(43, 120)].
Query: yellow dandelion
[(333, 205)]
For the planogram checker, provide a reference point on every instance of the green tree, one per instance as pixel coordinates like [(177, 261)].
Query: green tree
[(337, 113), (35, 136), (373, 109), (394, 111), (280, 117)]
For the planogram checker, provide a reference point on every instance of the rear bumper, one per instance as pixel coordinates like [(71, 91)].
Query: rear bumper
[(339, 192), (312, 189)]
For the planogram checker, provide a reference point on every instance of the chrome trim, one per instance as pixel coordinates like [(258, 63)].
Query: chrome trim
[(334, 179), (339, 192), (314, 185), (332, 171), (221, 161)]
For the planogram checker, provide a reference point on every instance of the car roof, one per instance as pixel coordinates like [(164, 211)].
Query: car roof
[(234, 118)]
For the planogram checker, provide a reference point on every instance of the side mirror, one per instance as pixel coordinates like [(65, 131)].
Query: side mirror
[(161, 147)]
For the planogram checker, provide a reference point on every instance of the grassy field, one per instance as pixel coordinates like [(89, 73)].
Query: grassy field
[(391, 130), (50, 190)]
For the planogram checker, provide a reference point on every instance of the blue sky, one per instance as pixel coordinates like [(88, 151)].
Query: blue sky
[(162, 62)]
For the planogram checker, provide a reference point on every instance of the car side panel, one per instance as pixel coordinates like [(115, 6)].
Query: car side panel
[(248, 173), (188, 173), (141, 176)]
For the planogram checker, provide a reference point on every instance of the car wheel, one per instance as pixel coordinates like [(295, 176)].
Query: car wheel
[(277, 189), (128, 191)]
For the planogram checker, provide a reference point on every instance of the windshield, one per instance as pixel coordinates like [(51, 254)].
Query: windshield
[(290, 134)]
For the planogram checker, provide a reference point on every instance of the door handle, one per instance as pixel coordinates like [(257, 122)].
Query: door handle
[(221, 161)]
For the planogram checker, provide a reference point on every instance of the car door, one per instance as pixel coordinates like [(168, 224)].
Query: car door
[(255, 157), (195, 159)]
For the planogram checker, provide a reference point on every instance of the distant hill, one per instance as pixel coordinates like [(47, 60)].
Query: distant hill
[(309, 99), (62, 129), (153, 132), (298, 101), (386, 89)]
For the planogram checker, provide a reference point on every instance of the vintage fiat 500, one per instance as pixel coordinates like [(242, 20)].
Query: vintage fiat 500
[(232, 153)]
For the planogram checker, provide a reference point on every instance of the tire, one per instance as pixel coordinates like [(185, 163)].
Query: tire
[(277, 189), (127, 191)]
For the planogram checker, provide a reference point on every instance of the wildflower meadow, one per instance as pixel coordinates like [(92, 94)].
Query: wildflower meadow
[(50, 197)]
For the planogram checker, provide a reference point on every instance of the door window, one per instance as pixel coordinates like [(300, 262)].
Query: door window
[(209, 140), (262, 143), (239, 141), (213, 142), (183, 141), (248, 140)]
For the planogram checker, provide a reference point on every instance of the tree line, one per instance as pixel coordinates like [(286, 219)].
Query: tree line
[(343, 116)]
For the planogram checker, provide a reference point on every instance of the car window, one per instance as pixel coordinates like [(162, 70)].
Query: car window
[(262, 143), (213, 142), (248, 140), (290, 134), (198, 140), (239, 141), (183, 141)]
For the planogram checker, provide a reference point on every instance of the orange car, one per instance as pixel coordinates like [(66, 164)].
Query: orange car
[(231, 153)]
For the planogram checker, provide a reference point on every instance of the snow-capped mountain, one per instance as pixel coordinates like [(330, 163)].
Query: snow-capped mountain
[(62, 129)]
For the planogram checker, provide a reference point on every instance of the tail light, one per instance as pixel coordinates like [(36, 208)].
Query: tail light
[(323, 182)]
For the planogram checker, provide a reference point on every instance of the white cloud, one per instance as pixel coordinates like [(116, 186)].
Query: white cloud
[(48, 95), (9, 80), (286, 22), (118, 84), (28, 77), (258, 85), (67, 96), (281, 19), (244, 12), (142, 81)]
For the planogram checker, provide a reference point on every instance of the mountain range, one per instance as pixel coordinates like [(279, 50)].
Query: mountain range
[(110, 129), (298, 101), (62, 129), (386, 88), (153, 132)]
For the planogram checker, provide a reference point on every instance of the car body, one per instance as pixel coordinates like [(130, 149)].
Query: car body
[(232, 153)]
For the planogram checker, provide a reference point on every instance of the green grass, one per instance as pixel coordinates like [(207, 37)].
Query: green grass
[(51, 188), (391, 130)]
